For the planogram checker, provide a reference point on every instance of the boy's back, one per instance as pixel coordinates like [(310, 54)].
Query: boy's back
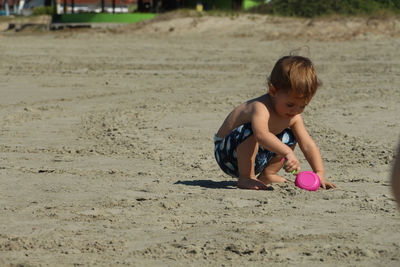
[(244, 113)]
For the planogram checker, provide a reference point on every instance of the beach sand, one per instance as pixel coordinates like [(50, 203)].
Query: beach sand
[(106, 144)]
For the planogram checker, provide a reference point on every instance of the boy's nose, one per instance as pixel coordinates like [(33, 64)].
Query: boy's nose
[(297, 110), (294, 111)]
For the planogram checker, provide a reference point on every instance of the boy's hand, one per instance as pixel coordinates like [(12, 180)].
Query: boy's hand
[(327, 185), (324, 183), (291, 163)]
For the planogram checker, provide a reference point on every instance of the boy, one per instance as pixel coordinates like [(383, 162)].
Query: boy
[(257, 134)]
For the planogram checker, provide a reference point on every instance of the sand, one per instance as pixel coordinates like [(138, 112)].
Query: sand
[(106, 153)]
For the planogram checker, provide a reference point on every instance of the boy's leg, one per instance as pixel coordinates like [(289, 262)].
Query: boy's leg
[(270, 173), (246, 153)]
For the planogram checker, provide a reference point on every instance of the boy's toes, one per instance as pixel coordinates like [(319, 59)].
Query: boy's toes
[(265, 187), (248, 183)]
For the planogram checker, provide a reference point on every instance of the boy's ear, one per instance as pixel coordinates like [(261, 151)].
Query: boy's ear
[(272, 90)]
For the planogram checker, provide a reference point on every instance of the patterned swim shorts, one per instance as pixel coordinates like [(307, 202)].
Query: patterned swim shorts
[(225, 149)]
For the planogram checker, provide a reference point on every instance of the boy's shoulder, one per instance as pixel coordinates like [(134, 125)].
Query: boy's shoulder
[(261, 103), (262, 100), (296, 120)]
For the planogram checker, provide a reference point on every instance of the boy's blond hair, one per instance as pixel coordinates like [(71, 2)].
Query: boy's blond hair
[(295, 75)]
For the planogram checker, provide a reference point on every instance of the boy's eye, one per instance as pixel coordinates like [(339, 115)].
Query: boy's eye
[(290, 105)]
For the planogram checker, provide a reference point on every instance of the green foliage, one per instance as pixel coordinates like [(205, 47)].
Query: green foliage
[(43, 10), (315, 8)]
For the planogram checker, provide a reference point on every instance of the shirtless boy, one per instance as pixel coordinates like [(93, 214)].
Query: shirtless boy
[(257, 134)]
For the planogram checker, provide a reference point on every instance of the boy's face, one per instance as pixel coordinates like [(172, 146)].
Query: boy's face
[(287, 105)]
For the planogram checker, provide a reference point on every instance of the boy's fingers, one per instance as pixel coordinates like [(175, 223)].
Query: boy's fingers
[(328, 185)]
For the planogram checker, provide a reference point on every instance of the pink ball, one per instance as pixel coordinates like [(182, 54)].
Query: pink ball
[(308, 180)]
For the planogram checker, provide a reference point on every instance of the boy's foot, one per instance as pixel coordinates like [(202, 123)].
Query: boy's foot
[(271, 178), (253, 184)]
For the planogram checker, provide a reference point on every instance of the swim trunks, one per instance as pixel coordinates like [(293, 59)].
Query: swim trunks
[(225, 149)]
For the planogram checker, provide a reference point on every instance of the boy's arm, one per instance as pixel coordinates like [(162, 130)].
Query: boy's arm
[(310, 150), (259, 122)]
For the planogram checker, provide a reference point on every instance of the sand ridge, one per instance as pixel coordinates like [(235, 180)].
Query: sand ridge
[(267, 27)]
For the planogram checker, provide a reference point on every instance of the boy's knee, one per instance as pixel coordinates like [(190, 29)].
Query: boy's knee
[(250, 144)]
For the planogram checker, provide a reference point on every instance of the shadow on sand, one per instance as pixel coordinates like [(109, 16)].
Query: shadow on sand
[(210, 184)]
